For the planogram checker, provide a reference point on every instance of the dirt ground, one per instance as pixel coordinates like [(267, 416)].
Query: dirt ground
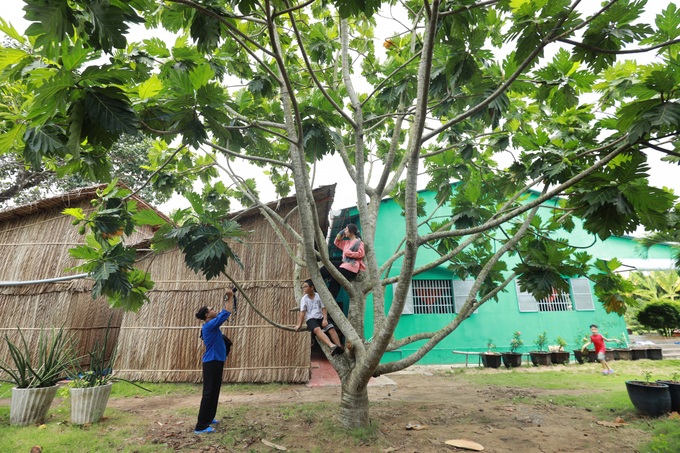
[(444, 406)]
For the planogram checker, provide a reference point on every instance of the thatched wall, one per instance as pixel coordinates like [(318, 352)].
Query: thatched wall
[(34, 241), (161, 342)]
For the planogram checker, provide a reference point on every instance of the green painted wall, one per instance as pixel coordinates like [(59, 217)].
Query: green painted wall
[(494, 320)]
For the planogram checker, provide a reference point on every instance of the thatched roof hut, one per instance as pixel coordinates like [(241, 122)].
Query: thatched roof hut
[(161, 342), (34, 239)]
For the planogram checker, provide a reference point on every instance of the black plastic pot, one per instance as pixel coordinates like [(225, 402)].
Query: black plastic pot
[(638, 354), (592, 356), (674, 388), (491, 360), (649, 398), (559, 357), (540, 358), (512, 359), (580, 356), (654, 353), (622, 354)]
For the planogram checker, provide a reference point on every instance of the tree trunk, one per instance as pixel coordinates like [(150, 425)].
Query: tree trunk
[(354, 407)]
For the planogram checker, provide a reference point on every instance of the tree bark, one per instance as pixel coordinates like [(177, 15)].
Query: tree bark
[(354, 407)]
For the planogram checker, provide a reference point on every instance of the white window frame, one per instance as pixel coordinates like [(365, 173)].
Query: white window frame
[(580, 295)]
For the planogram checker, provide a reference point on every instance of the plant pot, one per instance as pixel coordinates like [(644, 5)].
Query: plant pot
[(512, 359), (559, 357), (592, 356), (88, 404), (30, 405), (622, 354), (580, 356), (637, 354), (674, 389), (649, 398), (540, 358), (654, 354), (491, 360)]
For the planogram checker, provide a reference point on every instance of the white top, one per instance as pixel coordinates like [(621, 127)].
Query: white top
[(312, 307)]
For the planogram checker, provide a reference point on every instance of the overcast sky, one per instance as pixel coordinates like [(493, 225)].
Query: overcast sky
[(662, 174)]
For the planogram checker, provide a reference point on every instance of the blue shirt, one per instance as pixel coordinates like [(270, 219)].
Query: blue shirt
[(212, 337)]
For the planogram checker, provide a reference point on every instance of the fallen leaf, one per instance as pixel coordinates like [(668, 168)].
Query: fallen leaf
[(42, 426), (273, 445), (618, 420), (465, 444), (36, 449), (391, 449), (415, 426), (609, 424), (674, 416)]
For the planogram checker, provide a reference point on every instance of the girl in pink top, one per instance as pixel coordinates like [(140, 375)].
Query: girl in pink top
[(349, 241)]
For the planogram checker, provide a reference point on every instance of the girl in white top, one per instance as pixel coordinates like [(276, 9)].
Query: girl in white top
[(313, 312)]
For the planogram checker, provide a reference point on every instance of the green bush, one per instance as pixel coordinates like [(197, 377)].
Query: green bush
[(660, 316)]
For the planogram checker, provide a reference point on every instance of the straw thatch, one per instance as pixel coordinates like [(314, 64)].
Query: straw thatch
[(161, 342), (34, 241)]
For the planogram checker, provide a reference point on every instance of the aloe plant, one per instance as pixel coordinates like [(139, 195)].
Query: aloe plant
[(53, 357)]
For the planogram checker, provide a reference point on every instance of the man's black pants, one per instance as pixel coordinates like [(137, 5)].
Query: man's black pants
[(212, 382)]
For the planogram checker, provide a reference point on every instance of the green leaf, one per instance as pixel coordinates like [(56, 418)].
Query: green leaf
[(201, 75), (10, 31), (83, 252), (149, 88), (148, 217), (75, 212), (10, 56), (108, 115)]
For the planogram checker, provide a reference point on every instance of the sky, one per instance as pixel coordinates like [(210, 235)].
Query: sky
[(661, 174)]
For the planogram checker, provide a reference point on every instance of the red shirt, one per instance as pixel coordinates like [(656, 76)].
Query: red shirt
[(598, 342)]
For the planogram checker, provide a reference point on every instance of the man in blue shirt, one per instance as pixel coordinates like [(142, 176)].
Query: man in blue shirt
[(213, 362)]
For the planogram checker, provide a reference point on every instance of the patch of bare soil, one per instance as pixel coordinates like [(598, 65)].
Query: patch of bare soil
[(435, 407)]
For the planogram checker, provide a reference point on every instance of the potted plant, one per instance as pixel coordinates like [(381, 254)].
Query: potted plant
[(674, 389), (622, 353), (540, 357), (649, 398), (514, 358), (35, 376), (90, 389), (490, 358), (579, 341), (560, 356)]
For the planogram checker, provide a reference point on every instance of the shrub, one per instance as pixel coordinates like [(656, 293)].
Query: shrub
[(660, 316)]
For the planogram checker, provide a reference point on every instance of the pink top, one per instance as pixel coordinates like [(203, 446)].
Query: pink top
[(352, 254)]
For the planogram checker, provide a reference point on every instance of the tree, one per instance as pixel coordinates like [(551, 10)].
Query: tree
[(282, 84), (656, 286), (21, 183), (660, 316)]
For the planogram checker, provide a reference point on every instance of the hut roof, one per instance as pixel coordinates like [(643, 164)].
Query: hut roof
[(67, 199), (323, 196)]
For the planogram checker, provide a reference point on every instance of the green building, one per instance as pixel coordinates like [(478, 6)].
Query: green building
[(436, 295)]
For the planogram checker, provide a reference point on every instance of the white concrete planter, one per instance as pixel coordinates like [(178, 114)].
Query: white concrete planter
[(30, 405), (88, 404)]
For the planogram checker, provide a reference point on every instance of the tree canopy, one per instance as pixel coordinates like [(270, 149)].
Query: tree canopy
[(459, 84)]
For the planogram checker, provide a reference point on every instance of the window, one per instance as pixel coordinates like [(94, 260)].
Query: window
[(580, 299), (432, 296), (428, 297)]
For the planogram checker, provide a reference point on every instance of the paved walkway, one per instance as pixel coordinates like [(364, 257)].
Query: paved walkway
[(324, 375)]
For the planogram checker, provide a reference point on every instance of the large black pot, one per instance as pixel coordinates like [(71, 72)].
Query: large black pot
[(512, 359), (540, 358), (649, 398), (654, 353), (638, 354), (622, 353), (580, 356), (491, 360), (559, 357), (674, 388)]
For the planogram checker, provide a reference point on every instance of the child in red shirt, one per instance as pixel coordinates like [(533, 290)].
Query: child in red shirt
[(597, 341)]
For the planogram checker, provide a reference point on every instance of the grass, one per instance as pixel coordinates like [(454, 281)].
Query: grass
[(574, 385), (587, 388)]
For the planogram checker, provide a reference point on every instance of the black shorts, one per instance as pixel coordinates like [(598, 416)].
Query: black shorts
[(313, 323)]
